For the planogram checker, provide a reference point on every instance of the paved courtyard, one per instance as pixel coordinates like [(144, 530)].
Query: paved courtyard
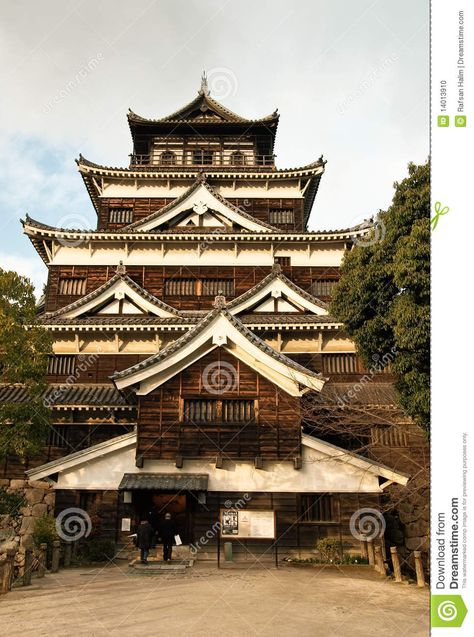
[(205, 602)]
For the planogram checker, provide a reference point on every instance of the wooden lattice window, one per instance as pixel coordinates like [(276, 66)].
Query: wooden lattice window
[(202, 410), (213, 287), (340, 364), (389, 436), (318, 507), (59, 436), (120, 215), (61, 365), (203, 156), (323, 287), (73, 286), (167, 158), (283, 261), (237, 159), (199, 287), (280, 216)]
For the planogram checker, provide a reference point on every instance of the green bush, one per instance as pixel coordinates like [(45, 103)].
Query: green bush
[(45, 531), (328, 548), (96, 550), (10, 503)]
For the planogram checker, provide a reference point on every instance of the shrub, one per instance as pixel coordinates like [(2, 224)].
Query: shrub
[(96, 550), (10, 503), (45, 531), (328, 548)]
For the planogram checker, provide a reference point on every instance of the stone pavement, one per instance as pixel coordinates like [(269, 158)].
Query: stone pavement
[(205, 602)]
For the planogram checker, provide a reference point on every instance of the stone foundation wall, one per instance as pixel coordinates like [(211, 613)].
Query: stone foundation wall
[(16, 529)]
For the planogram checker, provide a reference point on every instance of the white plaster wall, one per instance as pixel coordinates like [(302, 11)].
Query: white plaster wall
[(320, 473)]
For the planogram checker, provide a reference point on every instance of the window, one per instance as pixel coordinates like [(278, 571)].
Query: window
[(202, 156), (61, 365), (389, 436), (120, 215), (237, 159), (323, 287), (229, 411), (283, 261), (74, 286), (167, 158), (213, 287), (317, 508), (59, 436), (340, 364), (279, 216), (199, 287)]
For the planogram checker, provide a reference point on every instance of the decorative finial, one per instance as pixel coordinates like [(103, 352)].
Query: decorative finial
[(276, 267), (219, 301), (204, 90), (121, 269)]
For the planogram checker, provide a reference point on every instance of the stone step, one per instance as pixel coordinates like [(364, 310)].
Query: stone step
[(157, 566)]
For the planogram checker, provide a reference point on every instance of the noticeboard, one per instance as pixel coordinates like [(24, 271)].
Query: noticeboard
[(247, 524)]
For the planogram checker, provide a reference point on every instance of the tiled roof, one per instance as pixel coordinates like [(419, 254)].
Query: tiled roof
[(358, 393), (201, 181), (103, 288), (166, 481), (195, 331), (275, 274), (68, 395)]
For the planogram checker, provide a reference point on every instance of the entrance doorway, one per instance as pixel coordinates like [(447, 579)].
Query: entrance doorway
[(152, 506)]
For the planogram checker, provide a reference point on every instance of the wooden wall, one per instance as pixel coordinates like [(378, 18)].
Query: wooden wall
[(152, 279), (275, 434), (258, 208)]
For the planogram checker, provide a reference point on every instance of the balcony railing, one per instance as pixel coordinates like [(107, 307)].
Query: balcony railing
[(212, 159)]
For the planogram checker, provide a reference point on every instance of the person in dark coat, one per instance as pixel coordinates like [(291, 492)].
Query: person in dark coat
[(167, 532), (145, 535)]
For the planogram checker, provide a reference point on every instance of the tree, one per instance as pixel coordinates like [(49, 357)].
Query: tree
[(24, 349), (383, 295)]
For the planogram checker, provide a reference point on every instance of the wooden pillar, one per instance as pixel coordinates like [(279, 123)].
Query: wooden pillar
[(67, 554), (55, 556), (397, 571), (363, 548), (7, 566), (420, 576), (370, 552), (3, 563), (42, 560), (28, 566), (379, 563)]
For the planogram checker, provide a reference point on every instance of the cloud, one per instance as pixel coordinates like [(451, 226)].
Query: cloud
[(31, 267)]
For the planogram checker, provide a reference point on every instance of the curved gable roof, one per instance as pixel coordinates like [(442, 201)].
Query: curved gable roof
[(119, 283)]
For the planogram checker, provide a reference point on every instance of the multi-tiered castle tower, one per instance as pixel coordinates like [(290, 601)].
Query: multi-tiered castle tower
[(187, 328)]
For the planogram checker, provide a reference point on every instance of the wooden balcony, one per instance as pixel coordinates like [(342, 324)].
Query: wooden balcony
[(203, 159)]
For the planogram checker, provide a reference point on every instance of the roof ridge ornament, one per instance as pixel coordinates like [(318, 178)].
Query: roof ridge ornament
[(276, 267), (219, 301), (204, 90), (121, 268)]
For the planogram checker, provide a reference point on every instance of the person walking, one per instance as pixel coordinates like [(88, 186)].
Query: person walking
[(167, 533), (145, 534)]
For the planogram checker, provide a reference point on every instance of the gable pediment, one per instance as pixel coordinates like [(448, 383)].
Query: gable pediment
[(219, 329), (201, 207), (119, 296), (277, 294)]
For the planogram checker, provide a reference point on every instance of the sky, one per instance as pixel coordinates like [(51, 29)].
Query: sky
[(350, 79)]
